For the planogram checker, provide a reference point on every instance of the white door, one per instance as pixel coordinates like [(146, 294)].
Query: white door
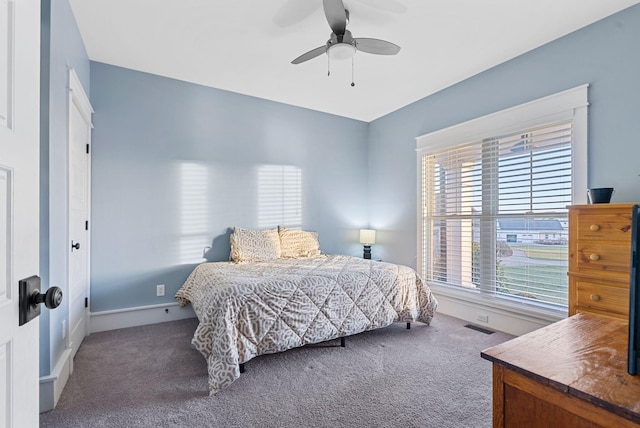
[(79, 140), (19, 175)]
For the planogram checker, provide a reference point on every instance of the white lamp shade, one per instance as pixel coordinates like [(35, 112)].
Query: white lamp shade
[(341, 51), (367, 236)]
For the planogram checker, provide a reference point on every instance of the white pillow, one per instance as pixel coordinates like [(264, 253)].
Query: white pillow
[(254, 245), (298, 243)]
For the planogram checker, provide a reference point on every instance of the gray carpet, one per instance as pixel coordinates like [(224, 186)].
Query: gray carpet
[(150, 376)]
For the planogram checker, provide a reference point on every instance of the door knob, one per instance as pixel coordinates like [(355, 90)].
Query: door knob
[(76, 245), (51, 299), (30, 298)]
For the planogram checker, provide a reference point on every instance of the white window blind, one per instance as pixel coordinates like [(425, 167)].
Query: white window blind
[(494, 214)]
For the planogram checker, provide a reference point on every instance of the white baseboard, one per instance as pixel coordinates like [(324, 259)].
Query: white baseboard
[(51, 386), (141, 315), (497, 319)]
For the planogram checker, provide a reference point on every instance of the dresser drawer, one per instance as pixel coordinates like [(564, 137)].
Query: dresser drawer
[(592, 256), (599, 259), (605, 227), (596, 296)]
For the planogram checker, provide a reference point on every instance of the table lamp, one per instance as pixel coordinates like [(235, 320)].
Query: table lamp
[(367, 238)]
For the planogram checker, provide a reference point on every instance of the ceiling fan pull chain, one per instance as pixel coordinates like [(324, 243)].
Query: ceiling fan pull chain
[(328, 65), (352, 72)]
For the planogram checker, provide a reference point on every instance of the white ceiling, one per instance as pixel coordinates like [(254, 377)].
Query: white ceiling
[(246, 46)]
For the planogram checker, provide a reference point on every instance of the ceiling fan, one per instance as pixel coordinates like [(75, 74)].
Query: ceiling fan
[(341, 43)]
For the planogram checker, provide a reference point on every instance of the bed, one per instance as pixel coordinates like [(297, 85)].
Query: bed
[(252, 307)]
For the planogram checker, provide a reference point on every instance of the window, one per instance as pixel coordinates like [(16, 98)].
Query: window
[(493, 217)]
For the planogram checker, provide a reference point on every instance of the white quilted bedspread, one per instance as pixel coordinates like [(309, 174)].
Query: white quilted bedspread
[(256, 308)]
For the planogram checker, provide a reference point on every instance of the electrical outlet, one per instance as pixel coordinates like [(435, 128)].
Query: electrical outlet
[(160, 290), (64, 329), (483, 318)]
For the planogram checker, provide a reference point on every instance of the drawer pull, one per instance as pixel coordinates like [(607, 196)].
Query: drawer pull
[(594, 257), (595, 297), (594, 228)]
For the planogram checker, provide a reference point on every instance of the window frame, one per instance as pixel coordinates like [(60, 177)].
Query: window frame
[(571, 104)]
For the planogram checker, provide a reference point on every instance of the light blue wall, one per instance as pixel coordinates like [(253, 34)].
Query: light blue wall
[(604, 55), (62, 48), (175, 165)]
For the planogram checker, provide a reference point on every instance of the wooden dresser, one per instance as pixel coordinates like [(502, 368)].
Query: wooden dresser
[(569, 374), (599, 259)]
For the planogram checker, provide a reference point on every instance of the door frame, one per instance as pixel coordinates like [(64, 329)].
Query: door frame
[(52, 385)]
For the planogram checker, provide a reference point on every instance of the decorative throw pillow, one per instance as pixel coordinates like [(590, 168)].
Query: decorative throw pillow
[(298, 243), (254, 245)]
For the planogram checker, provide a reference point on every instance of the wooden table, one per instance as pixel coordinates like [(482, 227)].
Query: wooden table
[(570, 374)]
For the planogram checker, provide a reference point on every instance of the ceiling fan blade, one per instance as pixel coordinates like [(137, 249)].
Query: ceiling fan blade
[(336, 15), (376, 46), (310, 55)]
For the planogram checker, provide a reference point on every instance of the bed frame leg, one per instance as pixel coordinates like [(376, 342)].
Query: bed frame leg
[(408, 326), (343, 342), (242, 369)]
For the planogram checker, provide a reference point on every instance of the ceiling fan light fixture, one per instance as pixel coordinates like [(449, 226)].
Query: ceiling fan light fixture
[(341, 51)]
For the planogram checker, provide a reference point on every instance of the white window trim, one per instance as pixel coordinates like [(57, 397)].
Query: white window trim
[(569, 104)]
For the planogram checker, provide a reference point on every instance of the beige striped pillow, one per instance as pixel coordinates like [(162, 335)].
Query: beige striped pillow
[(298, 243), (254, 245)]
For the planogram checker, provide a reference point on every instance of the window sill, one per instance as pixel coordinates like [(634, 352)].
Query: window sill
[(507, 316)]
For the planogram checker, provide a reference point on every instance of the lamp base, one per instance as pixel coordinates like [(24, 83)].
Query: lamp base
[(367, 252)]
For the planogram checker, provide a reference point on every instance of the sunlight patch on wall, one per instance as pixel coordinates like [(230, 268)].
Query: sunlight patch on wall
[(279, 196), (194, 212)]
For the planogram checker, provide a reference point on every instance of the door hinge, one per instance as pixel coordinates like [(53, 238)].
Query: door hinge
[(86, 225), (86, 302), (87, 148)]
